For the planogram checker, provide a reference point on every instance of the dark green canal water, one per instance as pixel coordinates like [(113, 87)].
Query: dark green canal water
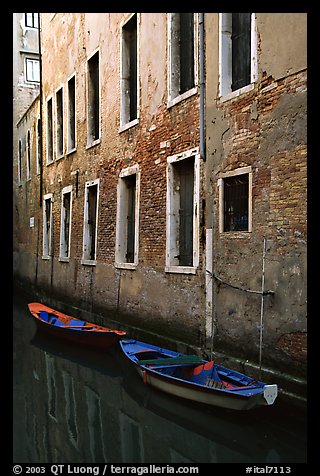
[(75, 405)]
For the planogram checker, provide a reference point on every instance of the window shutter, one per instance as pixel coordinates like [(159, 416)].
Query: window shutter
[(241, 50)]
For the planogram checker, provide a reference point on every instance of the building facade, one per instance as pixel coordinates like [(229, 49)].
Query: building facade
[(158, 135)]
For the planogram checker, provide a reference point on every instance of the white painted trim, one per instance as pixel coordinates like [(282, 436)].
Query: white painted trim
[(69, 151), (124, 125), (45, 238), (120, 229), (96, 141), (52, 132), (225, 58), (60, 88), (173, 100), (65, 190), (233, 173), (89, 184), (171, 239)]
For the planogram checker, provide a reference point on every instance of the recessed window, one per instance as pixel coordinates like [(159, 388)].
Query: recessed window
[(93, 99), (71, 145), (127, 231), (182, 63), (59, 118), (47, 225), (90, 222), (32, 70), (65, 231), (49, 131), (183, 212), (31, 20), (28, 155), (235, 201), (237, 51), (129, 72), (20, 162), (38, 148)]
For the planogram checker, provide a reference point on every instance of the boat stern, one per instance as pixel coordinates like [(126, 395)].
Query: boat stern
[(270, 393)]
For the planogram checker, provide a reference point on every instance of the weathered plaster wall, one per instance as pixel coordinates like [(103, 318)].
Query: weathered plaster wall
[(265, 128)]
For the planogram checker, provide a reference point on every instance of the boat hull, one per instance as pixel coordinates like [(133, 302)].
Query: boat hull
[(88, 334), (245, 396)]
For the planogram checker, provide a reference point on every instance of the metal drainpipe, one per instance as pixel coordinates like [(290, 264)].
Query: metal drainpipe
[(41, 115), (202, 89)]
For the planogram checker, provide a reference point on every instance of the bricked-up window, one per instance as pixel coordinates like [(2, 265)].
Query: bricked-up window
[(90, 221), (235, 197), (238, 51), (127, 228), (129, 72), (71, 145), (93, 99), (20, 162), (59, 118), (183, 212), (47, 225), (65, 231), (28, 156), (182, 53), (31, 20), (49, 131)]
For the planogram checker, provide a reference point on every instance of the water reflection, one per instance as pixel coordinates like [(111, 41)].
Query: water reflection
[(85, 406)]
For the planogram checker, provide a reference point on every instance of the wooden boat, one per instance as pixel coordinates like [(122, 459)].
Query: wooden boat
[(196, 379), (61, 325)]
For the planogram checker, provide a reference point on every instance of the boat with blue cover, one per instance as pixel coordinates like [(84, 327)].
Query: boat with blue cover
[(196, 379), (61, 325)]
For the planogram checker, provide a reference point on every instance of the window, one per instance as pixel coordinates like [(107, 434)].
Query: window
[(32, 70), (90, 222), (71, 139), (235, 200), (59, 117), (182, 64), (183, 182), (31, 20), (47, 225), (49, 131), (127, 228), (65, 230), (20, 162), (39, 151), (93, 100), (237, 51), (28, 156), (129, 72)]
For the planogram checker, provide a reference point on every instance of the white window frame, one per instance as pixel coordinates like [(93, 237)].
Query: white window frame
[(73, 149), (233, 173), (92, 142), (33, 77), (176, 98), (124, 124), (61, 154), (85, 260), (52, 131), (47, 240), (65, 190), (36, 16), (121, 231), (225, 57), (171, 212)]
